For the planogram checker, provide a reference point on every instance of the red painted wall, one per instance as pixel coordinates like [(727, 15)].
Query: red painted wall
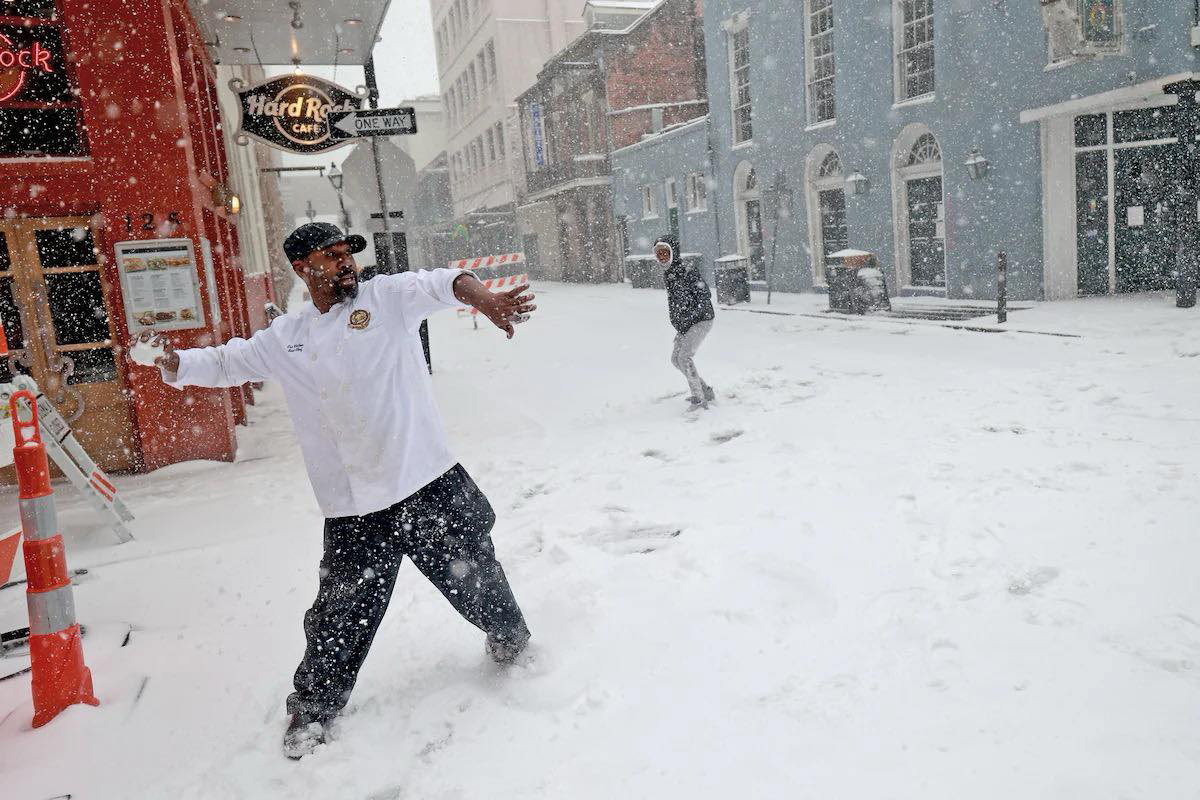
[(149, 104)]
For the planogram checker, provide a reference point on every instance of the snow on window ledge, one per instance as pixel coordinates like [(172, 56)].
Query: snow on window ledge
[(816, 126), (916, 101)]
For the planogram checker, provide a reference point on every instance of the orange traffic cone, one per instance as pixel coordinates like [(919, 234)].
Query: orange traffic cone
[(60, 678)]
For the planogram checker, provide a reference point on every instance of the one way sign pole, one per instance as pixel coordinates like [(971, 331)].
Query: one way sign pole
[(373, 122)]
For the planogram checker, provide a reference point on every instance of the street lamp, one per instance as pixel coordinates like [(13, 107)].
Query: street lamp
[(976, 164), (337, 179), (857, 183)]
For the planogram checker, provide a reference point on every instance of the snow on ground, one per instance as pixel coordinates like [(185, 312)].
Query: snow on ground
[(895, 561)]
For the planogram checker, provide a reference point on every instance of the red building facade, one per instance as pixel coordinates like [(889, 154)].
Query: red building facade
[(110, 133)]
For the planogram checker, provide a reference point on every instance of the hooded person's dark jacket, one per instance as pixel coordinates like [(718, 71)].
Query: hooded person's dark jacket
[(688, 297)]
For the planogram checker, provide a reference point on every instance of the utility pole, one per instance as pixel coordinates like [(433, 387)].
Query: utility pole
[(373, 100), (393, 263)]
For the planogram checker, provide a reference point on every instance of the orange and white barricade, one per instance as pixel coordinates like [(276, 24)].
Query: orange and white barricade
[(484, 262), (60, 678)]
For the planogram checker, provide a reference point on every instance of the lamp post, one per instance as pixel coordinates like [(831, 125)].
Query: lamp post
[(857, 183), (976, 164), (337, 179), (1187, 130), (781, 208)]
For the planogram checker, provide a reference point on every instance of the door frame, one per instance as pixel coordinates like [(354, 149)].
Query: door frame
[(901, 175), (1060, 276), (1109, 148), (814, 184), (41, 346)]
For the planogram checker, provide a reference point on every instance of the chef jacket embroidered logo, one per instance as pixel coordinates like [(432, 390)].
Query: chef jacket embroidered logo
[(360, 319)]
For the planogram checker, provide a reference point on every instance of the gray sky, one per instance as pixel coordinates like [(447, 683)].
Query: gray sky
[(405, 60)]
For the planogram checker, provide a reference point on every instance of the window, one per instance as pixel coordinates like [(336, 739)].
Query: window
[(696, 190), (500, 140), (41, 114), (490, 52), (739, 62), (649, 203), (491, 145), (914, 48), (672, 192), (819, 50), (474, 83), (481, 62)]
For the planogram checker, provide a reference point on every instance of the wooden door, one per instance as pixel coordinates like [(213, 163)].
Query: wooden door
[(55, 312)]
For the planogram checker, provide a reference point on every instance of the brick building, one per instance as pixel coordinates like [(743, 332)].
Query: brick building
[(632, 73)]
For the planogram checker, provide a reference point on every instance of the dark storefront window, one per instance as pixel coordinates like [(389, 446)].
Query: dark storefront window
[(40, 112), (35, 9), (1091, 130), (1142, 125)]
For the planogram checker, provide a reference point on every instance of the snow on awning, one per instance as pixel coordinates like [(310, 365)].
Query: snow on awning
[(272, 32)]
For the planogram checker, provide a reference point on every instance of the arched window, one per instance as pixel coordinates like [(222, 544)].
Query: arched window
[(924, 151), (831, 166)]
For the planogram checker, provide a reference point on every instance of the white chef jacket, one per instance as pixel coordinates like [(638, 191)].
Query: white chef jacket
[(357, 387)]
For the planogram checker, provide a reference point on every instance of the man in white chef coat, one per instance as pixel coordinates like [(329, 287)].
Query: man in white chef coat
[(353, 371)]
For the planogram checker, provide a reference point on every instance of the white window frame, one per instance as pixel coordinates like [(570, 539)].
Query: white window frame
[(900, 52), (671, 192), (810, 59), (696, 193), (739, 25), (649, 202)]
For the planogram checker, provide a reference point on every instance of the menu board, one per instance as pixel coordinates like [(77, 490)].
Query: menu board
[(160, 284)]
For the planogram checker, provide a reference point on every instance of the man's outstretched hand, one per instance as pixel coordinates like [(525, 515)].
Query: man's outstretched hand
[(504, 309), (169, 360)]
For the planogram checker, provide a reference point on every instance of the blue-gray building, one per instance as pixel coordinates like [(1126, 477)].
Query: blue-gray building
[(661, 185), (936, 133)]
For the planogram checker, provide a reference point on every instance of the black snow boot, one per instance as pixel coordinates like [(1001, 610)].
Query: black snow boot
[(303, 735), (504, 651)]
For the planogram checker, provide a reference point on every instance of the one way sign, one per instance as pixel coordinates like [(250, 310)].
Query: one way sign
[(373, 122)]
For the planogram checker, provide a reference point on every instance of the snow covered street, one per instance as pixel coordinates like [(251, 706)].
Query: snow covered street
[(893, 561)]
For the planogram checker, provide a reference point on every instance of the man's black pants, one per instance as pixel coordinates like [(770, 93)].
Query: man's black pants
[(445, 528)]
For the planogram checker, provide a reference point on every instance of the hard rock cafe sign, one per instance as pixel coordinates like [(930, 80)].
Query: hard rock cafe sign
[(291, 112), (17, 61)]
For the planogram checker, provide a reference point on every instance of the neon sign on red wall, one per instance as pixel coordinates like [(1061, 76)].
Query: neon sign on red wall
[(16, 62)]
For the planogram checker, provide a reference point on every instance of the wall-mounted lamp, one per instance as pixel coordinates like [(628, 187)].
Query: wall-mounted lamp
[(229, 200), (976, 164), (857, 183)]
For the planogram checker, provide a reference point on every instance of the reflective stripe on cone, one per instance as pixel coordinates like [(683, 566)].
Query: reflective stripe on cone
[(51, 612)]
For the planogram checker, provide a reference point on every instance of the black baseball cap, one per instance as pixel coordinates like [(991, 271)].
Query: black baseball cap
[(317, 236)]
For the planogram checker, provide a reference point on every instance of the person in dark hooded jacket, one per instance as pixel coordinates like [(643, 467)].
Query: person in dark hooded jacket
[(690, 305)]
